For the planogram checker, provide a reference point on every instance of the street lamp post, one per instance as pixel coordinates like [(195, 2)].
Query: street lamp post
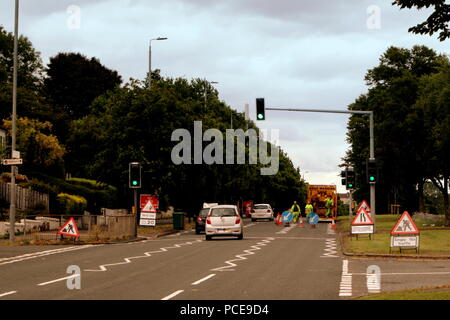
[(150, 60), (12, 206)]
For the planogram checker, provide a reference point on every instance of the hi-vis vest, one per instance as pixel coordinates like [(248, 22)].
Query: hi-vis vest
[(294, 207)]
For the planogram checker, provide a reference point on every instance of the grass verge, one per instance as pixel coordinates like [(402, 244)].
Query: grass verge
[(433, 241)]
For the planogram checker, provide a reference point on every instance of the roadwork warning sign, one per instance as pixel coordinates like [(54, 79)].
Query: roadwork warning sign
[(362, 223), (69, 229), (405, 225)]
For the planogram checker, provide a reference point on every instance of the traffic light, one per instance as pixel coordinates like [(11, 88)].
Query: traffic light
[(260, 109), (350, 178), (134, 175), (371, 170), (344, 177)]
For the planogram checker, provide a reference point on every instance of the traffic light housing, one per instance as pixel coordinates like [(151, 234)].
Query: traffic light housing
[(134, 175), (350, 179), (344, 177), (260, 109), (371, 171)]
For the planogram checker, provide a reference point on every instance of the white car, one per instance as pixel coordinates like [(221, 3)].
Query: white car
[(224, 220), (262, 211)]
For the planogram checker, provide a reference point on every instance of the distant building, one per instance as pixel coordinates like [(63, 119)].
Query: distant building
[(344, 197)]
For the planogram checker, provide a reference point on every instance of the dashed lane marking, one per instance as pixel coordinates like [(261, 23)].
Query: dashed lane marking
[(170, 296), (58, 280), (203, 279), (7, 293)]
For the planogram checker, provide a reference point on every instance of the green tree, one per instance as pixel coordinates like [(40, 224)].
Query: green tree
[(39, 149), (400, 138), (437, 22), (433, 104), (133, 123)]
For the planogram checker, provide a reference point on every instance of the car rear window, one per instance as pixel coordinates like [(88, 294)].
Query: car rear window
[(203, 212), (263, 206), (223, 212)]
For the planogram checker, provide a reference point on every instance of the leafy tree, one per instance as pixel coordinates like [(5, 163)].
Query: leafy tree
[(400, 137), (39, 149), (434, 107), (73, 81), (133, 123), (437, 22), (29, 73)]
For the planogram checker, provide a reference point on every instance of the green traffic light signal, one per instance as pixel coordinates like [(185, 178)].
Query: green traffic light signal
[(372, 178), (260, 109)]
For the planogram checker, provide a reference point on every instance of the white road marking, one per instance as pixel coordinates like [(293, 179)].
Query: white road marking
[(57, 280), (34, 255), (127, 260), (249, 225), (231, 264), (7, 293), (345, 289), (204, 279), (287, 229), (330, 249), (172, 295)]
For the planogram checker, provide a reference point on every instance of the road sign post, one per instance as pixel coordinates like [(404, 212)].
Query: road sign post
[(405, 234)]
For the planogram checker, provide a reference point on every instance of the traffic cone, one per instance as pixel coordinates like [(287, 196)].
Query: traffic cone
[(333, 225), (300, 224), (278, 221)]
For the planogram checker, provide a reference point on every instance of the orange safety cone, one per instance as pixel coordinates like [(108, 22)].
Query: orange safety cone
[(278, 221), (300, 224), (333, 225)]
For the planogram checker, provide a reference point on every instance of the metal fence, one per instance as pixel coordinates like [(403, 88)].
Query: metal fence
[(90, 227), (25, 198)]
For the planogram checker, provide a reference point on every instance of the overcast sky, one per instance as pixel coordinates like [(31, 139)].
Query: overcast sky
[(294, 53)]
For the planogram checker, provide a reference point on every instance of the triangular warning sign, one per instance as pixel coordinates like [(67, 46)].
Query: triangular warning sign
[(148, 207), (362, 218), (69, 229), (405, 225), (364, 205)]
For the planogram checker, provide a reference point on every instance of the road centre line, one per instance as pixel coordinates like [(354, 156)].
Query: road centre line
[(7, 293), (170, 296), (57, 280), (204, 279)]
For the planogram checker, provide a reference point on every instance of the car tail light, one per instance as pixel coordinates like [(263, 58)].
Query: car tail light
[(268, 211), (238, 219), (208, 220), (199, 219)]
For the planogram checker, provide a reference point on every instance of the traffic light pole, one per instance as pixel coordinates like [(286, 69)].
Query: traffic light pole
[(372, 144)]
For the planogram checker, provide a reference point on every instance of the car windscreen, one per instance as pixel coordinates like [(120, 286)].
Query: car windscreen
[(223, 212), (203, 212), (263, 206)]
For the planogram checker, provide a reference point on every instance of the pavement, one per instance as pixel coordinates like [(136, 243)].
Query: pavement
[(271, 263)]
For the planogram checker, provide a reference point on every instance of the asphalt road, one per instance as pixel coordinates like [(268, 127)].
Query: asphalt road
[(271, 263)]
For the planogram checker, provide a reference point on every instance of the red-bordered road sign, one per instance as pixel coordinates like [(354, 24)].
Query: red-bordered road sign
[(69, 229), (405, 225)]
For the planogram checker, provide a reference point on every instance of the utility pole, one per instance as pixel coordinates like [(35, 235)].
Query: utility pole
[(14, 169)]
